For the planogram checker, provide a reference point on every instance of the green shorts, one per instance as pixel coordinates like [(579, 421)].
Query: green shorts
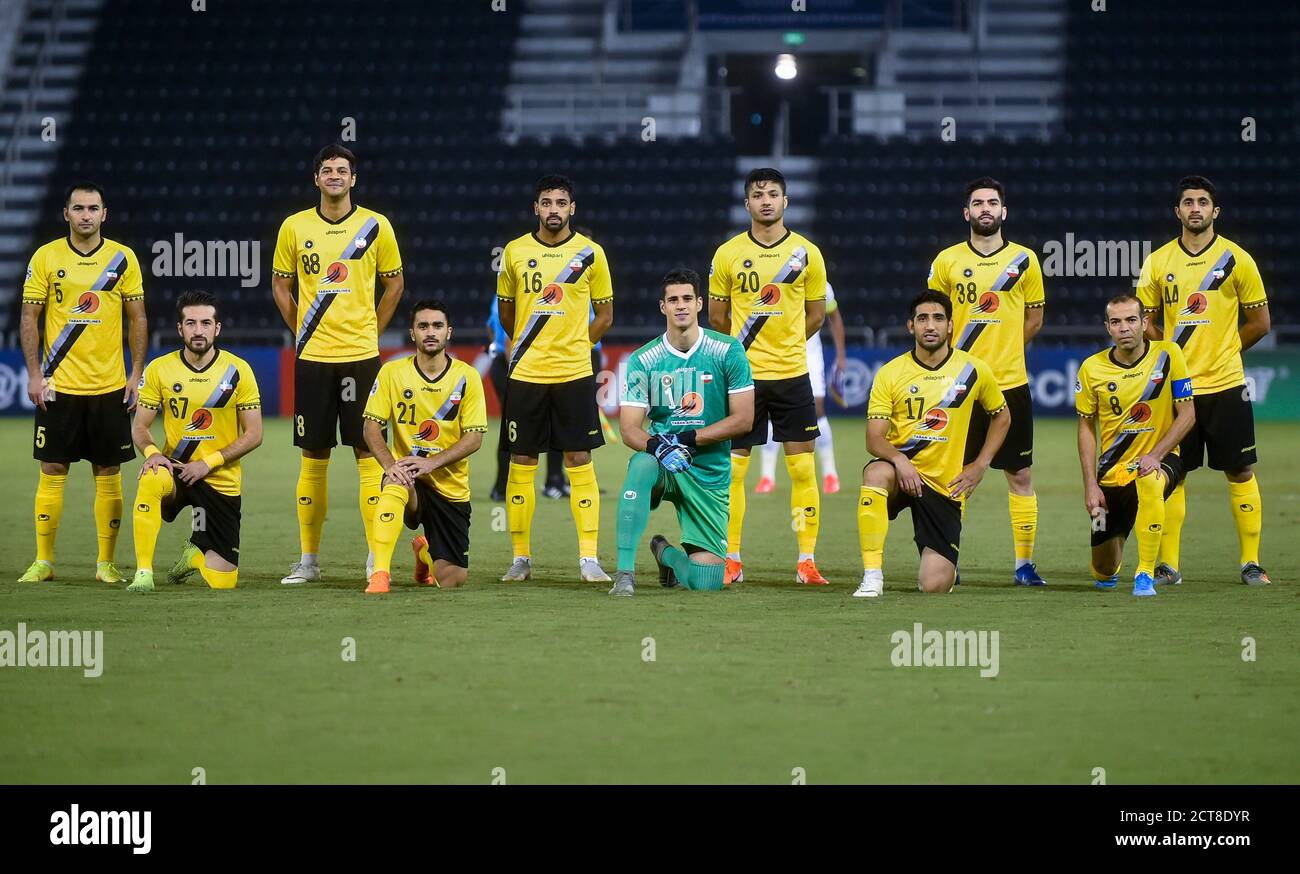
[(702, 513)]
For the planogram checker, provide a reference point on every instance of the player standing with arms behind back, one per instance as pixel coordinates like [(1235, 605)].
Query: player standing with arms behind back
[(767, 288), (1203, 282), (79, 385), (996, 288), (556, 299), (334, 251)]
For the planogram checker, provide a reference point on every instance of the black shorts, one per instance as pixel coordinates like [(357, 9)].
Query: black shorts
[(936, 518), (327, 396), (1122, 502), (1017, 451), (214, 524), (96, 428), (445, 523), (556, 415), (1224, 430), (789, 404)]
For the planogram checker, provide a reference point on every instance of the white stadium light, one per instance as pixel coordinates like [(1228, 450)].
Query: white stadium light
[(785, 67)]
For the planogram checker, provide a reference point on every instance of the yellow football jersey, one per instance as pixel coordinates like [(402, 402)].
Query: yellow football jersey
[(83, 297), (766, 287), (989, 295), (430, 412), (929, 410), (1133, 404), (553, 288), (1200, 295), (200, 408), (335, 263)]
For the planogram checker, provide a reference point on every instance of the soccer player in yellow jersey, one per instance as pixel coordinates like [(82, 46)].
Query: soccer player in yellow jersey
[(767, 288), (77, 289), (333, 252), (556, 300), (1132, 397), (996, 287), (434, 406), (918, 423), (212, 417), (1203, 284)]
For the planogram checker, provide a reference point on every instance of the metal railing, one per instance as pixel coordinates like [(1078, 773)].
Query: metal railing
[(622, 109)]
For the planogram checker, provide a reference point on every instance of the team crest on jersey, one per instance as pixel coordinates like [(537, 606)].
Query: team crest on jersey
[(407, 393), (770, 295), (552, 294), (968, 273), (988, 303), (1196, 304), (692, 404), (428, 430), (532, 262), (935, 420), (87, 303), (62, 273), (913, 389), (176, 387), (1110, 386), (1169, 277), (307, 244), (200, 421), (336, 272), (1140, 414), (748, 263)]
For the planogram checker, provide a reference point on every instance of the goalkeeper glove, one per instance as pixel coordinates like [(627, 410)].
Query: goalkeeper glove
[(671, 454)]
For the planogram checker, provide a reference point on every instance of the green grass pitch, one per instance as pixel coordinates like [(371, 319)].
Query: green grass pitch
[(547, 681)]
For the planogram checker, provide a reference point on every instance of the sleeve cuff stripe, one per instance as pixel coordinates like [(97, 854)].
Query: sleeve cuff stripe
[(1035, 306), (636, 404), (482, 428), (878, 416), (137, 296), (998, 410), (1254, 306), (147, 405), (1184, 400), (390, 272), (283, 273), (255, 405), (602, 299), (732, 391), (374, 418)]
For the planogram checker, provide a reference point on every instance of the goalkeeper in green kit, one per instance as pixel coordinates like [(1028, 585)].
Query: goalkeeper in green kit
[(685, 395)]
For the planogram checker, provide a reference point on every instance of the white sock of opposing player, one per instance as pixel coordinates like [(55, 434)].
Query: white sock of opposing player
[(825, 447)]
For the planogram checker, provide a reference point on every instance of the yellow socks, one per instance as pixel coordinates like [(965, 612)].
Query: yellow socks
[(214, 578), (1175, 513), (521, 498), (108, 513), (736, 522), (1150, 522), (49, 508), (146, 518), (389, 511), (584, 501), (371, 473), (873, 525), (1024, 525), (1246, 512), (805, 501), (313, 502)]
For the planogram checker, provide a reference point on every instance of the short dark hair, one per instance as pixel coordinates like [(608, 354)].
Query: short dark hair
[(196, 299), (764, 174), (1124, 297), (986, 182), (334, 150), (430, 303), (680, 276), (1197, 182), (84, 185), (930, 296), (553, 182)]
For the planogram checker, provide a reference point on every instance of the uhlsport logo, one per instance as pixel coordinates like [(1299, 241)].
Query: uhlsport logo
[(770, 295), (1139, 415), (552, 294), (200, 421), (988, 303), (935, 420), (428, 430), (1196, 304), (87, 303), (337, 272)]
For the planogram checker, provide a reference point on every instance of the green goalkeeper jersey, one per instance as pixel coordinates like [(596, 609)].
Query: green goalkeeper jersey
[(685, 391)]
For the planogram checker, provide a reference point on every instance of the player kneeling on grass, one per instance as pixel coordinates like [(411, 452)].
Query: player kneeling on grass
[(1136, 393), (694, 389), (435, 406), (917, 422), (212, 417)]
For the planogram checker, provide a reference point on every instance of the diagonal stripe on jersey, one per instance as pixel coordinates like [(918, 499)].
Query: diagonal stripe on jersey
[(1184, 333), (1012, 274), (583, 260), (313, 318), (533, 327), (366, 237), (749, 330), (184, 450), (962, 388), (59, 348), (225, 389), (111, 274), (789, 272), (1114, 453), (1219, 273), (449, 406), (970, 334)]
